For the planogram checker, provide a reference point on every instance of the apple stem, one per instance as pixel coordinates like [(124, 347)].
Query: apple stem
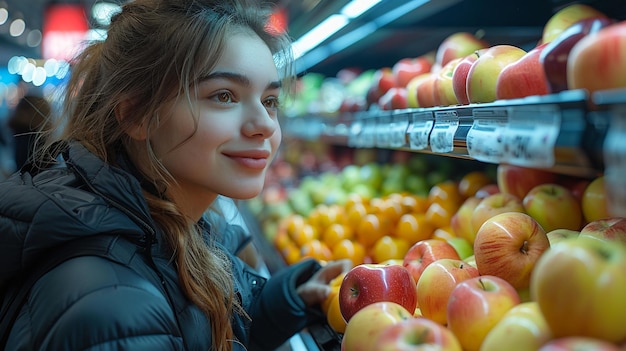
[(524, 248), (482, 284)]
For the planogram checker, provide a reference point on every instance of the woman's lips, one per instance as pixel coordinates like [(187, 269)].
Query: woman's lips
[(254, 159)]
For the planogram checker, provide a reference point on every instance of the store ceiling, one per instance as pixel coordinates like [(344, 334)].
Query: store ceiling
[(518, 22)]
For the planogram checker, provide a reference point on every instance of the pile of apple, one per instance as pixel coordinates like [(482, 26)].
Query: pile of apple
[(522, 288), (581, 48)]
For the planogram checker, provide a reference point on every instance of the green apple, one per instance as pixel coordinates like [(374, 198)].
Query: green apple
[(462, 247), (523, 327), (580, 287)]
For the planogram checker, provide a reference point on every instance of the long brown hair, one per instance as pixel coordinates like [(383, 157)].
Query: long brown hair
[(154, 52)]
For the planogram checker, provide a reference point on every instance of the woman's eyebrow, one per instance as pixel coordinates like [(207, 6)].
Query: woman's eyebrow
[(237, 78)]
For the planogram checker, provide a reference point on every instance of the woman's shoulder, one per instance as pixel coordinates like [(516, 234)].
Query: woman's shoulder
[(90, 300)]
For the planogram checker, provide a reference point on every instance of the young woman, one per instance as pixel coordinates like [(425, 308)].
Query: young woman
[(176, 107)]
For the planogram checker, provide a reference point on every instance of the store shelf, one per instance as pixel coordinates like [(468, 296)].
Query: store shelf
[(557, 132)]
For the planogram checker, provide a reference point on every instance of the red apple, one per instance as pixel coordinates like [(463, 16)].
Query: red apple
[(596, 62), (426, 91), (580, 287), (382, 81), (458, 45), (442, 86), (365, 284), (493, 205), (524, 77), (369, 322), (394, 98), (578, 343), (415, 334), (565, 18), (554, 56), (483, 75), (408, 68), (425, 252), (518, 180), (436, 284), (508, 246), (476, 305), (459, 76), (594, 200), (554, 207), (609, 229)]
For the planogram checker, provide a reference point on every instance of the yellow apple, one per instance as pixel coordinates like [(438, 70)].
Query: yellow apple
[(461, 220), (493, 205), (566, 17), (594, 201), (553, 206), (557, 235), (367, 324), (411, 90), (483, 75), (416, 334), (521, 328), (580, 286), (443, 91)]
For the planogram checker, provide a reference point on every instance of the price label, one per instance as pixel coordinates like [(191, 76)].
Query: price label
[(485, 139), (419, 130), (399, 126), (530, 135), (369, 133), (383, 131), (442, 135), (355, 133), (615, 162)]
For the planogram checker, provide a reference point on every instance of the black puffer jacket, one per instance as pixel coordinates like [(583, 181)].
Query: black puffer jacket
[(92, 303)]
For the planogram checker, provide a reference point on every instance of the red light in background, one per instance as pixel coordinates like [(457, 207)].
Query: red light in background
[(64, 31), (277, 23)]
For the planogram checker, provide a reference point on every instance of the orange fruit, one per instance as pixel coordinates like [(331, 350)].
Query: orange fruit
[(371, 228), (305, 235), (291, 254), (334, 290), (389, 248), (414, 203), (294, 224), (443, 234), (333, 316), (354, 214), (349, 249), (282, 239), (445, 193), (317, 250), (414, 227), (335, 233), (472, 182), (438, 215)]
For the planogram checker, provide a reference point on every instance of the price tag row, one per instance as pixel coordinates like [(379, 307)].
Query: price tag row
[(615, 162), (524, 135)]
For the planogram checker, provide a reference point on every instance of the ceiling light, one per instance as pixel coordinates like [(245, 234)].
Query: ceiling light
[(356, 8), (4, 16), (319, 33), (17, 27)]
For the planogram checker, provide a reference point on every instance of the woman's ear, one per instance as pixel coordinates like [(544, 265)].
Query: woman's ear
[(134, 129)]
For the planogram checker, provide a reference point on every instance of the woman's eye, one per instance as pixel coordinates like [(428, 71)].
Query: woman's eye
[(271, 103), (223, 97)]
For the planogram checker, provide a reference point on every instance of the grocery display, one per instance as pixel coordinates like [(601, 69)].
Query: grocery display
[(484, 173)]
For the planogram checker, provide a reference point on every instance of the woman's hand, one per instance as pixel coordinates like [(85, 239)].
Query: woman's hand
[(316, 289)]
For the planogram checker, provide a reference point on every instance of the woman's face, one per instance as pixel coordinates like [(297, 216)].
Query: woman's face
[(237, 129)]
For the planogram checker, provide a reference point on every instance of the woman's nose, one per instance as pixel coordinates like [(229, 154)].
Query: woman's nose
[(260, 122)]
